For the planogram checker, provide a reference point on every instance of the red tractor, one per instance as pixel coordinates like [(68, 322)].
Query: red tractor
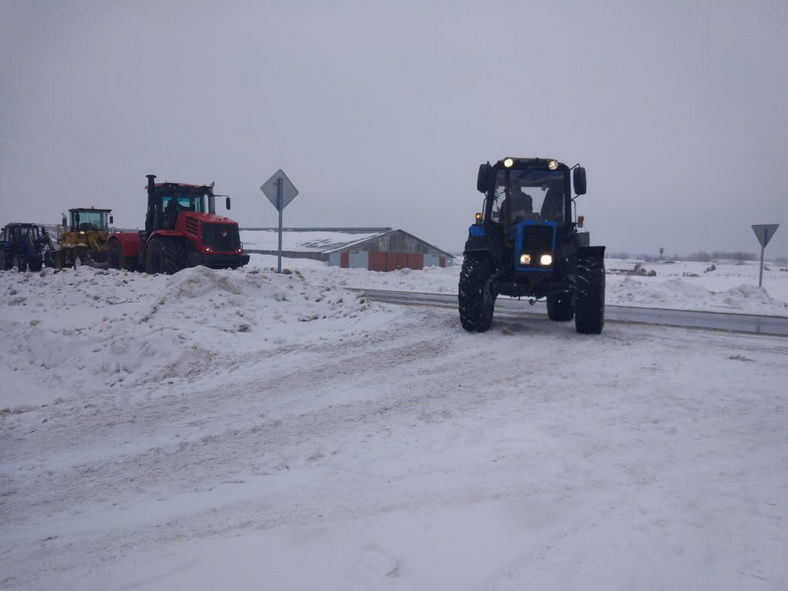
[(181, 230)]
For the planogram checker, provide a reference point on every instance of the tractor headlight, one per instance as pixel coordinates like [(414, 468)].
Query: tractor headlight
[(508, 163), (525, 259), (552, 165), (546, 260)]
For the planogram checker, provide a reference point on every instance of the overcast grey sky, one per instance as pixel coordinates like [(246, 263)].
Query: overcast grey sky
[(381, 112)]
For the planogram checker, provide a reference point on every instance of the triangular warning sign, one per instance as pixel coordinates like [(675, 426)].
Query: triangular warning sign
[(764, 232)]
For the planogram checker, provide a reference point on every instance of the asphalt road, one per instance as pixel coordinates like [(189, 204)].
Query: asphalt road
[(742, 323)]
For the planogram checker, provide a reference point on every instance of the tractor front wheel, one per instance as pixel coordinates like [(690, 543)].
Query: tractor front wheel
[(475, 297), (165, 256), (560, 307)]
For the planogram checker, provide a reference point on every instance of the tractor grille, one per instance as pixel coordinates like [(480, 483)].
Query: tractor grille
[(221, 237), (538, 238), (192, 225)]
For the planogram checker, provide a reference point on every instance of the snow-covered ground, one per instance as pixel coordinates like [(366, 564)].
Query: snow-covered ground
[(253, 430)]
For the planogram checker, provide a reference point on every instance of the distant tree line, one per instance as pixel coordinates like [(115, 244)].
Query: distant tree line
[(704, 256), (700, 256)]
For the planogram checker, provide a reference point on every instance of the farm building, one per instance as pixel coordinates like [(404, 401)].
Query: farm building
[(376, 249)]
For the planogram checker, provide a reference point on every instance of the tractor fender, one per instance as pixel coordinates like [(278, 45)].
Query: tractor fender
[(477, 240), (129, 242), (591, 252)]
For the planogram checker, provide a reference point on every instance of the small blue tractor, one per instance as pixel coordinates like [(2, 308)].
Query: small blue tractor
[(23, 246), (528, 243)]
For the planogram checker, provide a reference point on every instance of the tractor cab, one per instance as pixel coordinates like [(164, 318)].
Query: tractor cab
[(167, 200), (529, 189), (529, 195)]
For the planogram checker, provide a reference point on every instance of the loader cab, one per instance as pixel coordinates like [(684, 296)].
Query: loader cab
[(84, 219)]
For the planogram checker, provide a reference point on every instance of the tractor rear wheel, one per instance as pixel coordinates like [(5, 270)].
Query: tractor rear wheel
[(560, 307), (6, 260), (165, 256), (590, 294), (115, 258), (475, 297), (20, 262)]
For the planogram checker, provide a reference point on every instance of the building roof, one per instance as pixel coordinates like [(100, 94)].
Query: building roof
[(314, 240), (306, 239)]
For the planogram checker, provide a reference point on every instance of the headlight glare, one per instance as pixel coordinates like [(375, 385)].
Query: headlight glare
[(546, 260), (525, 259)]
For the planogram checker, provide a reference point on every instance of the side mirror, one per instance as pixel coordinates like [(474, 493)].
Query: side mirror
[(63, 221), (579, 180), (483, 178), (111, 220), (227, 203)]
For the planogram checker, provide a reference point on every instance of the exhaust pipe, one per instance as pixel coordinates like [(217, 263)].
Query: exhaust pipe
[(151, 183)]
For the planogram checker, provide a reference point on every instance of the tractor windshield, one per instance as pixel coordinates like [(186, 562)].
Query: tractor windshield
[(183, 202), (89, 220), (523, 195)]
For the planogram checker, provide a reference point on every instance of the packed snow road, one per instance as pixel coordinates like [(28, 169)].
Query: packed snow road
[(248, 429), (511, 307)]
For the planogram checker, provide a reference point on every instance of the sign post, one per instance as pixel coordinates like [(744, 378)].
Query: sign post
[(764, 233), (280, 192)]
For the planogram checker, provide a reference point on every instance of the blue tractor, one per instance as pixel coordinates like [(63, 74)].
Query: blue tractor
[(23, 246), (528, 243)]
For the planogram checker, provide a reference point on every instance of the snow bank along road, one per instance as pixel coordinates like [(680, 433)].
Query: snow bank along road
[(246, 429), (747, 323)]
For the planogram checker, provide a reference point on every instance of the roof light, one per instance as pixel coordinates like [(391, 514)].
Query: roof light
[(525, 259), (552, 165), (508, 163), (546, 260)]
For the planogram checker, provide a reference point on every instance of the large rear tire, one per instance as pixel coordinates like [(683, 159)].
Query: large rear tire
[(115, 258), (165, 256), (20, 262), (560, 307), (590, 294), (475, 296), (6, 260)]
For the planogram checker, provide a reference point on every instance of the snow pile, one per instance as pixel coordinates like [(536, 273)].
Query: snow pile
[(682, 293), (107, 328)]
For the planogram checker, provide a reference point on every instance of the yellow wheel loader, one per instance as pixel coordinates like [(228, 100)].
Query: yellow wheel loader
[(83, 239)]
